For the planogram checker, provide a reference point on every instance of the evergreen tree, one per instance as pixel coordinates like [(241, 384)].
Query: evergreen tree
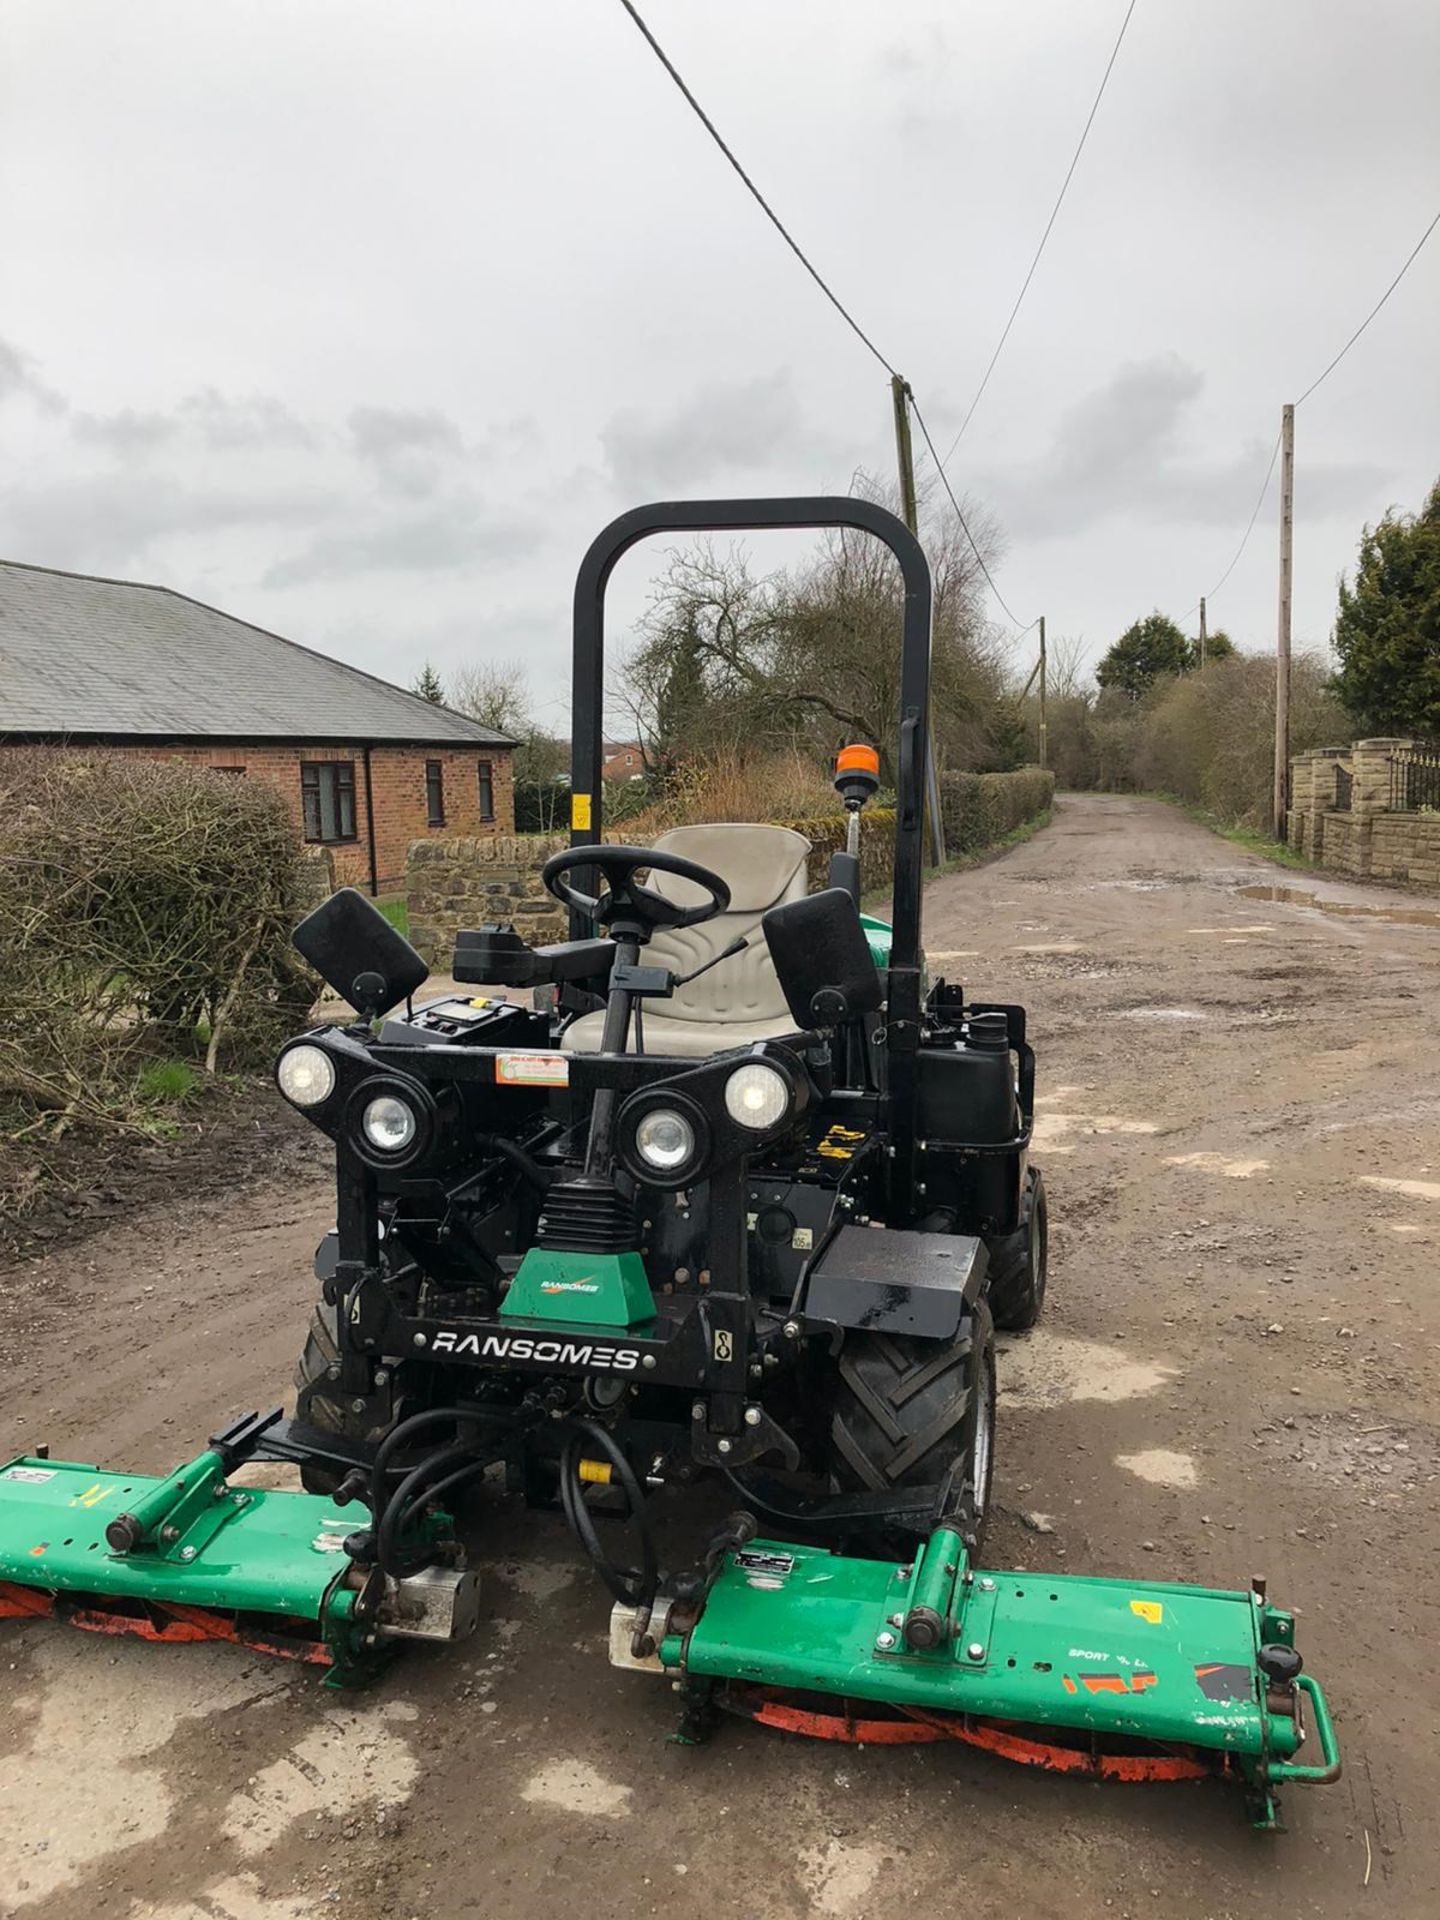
[(428, 686), (1144, 652), (1387, 631)]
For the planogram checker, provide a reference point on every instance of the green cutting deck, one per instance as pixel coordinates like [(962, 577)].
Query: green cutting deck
[(1164, 1664), (243, 1549)]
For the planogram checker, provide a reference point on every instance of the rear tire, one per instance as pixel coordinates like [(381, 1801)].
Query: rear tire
[(911, 1413), (1019, 1262)]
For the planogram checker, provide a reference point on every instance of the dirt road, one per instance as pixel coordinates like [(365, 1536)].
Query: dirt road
[(1239, 1372)]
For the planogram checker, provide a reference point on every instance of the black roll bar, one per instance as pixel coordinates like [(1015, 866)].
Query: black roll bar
[(744, 516)]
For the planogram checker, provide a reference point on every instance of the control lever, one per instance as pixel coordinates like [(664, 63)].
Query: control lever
[(737, 945)]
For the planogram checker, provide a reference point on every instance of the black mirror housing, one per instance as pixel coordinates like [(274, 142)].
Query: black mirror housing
[(823, 959), (355, 950)]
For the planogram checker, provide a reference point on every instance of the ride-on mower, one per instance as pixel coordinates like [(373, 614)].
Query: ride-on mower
[(735, 1194)]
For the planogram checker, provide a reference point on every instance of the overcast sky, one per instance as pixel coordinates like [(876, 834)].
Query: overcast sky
[(359, 320)]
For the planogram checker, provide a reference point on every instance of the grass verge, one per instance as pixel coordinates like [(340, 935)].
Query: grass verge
[(396, 912), (1247, 837)]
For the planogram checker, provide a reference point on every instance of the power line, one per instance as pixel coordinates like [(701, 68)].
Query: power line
[(964, 526), (1054, 212), (1373, 311), (845, 315), (1250, 528), (760, 200)]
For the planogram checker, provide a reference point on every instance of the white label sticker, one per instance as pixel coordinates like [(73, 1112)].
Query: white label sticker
[(532, 1070), (33, 1476)]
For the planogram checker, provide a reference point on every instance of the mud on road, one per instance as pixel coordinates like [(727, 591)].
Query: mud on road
[(1239, 1373)]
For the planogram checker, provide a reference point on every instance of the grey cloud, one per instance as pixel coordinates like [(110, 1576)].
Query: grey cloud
[(106, 520), (1120, 451), (256, 423), (380, 432), (741, 423), (19, 379), (452, 536)]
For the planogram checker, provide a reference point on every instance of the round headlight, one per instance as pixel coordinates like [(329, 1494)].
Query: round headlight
[(389, 1123), (757, 1096), (664, 1139), (305, 1075)]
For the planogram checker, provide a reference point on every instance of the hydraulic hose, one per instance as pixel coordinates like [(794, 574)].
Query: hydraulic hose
[(631, 1587), (388, 1553), (523, 1163)]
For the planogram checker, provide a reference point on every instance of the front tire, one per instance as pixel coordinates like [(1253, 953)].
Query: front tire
[(912, 1413), (1019, 1262), (319, 1402)]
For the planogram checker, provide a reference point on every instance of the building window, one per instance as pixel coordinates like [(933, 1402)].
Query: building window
[(435, 793), (327, 793), (486, 771)]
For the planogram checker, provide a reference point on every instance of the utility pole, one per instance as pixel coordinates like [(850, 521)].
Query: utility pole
[(905, 460), (1044, 740), (1282, 638), (1202, 633)]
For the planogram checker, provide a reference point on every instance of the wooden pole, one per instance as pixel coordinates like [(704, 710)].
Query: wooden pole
[(1044, 737), (905, 461), (1282, 637), (1202, 633)]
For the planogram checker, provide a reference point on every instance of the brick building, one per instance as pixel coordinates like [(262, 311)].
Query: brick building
[(364, 767), (622, 760)]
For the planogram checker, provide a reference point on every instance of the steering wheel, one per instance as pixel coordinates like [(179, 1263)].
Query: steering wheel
[(639, 909)]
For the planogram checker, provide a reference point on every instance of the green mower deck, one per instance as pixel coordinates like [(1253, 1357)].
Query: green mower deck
[(188, 1557), (1134, 1668)]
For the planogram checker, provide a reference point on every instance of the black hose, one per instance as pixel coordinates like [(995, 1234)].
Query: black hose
[(632, 1588), (537, 1175), (413, 1424), (389, 1551), (763, 1505), (387, 1554)]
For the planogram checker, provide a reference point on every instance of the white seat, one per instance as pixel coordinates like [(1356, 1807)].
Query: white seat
[(739, 1001)]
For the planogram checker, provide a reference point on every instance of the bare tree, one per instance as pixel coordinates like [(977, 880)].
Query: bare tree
[(496, 693)]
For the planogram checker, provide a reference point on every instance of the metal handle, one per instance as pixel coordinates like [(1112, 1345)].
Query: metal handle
[(1282, 1770)]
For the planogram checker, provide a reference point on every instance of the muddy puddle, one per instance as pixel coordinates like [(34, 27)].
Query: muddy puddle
[(1346, 909)]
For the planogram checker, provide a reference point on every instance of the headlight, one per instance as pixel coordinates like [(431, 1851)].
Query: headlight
[(757, 1096), (389, 1123), (664, 1139), (305, 1075)]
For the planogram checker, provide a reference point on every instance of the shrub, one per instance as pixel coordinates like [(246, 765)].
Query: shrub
[(979, 809), (142, 904), (1210, 737)]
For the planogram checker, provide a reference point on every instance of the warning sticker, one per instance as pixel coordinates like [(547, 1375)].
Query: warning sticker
[(32, 1476), (1151, 1610), (580, 813), (531, 1070)]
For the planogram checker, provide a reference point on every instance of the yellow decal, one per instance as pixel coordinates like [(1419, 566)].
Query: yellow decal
[(580, 812), (93, 1495), (1150, 1610)]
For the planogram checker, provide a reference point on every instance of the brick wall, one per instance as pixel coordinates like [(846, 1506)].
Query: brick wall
[(397, 776)]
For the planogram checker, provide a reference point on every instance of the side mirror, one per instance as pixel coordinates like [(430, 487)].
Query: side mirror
[(355, 950), (822, 959)]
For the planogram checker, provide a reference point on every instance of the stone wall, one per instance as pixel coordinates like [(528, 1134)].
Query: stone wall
[(465, 882), (468, 881), (1350, 829)]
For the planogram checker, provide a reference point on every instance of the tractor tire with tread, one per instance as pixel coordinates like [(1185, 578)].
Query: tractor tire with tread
[(911, 1412), (319, 1403), (1019, 1262)]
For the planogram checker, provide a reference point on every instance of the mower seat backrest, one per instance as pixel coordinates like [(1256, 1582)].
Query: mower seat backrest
[(739, 1001)]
